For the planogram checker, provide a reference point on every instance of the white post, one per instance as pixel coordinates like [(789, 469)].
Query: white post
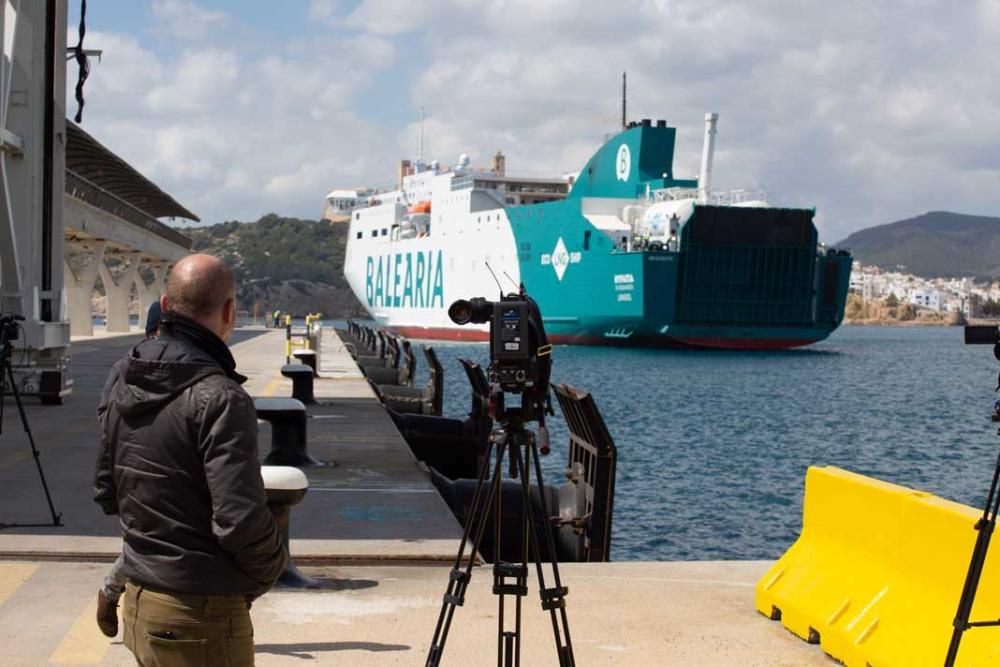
[(119, 294), (708, 151), (79, 289)]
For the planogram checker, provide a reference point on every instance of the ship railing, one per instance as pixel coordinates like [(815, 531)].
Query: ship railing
[(715, 197)]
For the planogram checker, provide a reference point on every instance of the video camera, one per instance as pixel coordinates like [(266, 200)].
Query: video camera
[(9, 327), (520, 354)]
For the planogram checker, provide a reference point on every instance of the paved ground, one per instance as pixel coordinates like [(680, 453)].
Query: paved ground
[(373, 502), (627, 614), (66, 437), (382, 537)]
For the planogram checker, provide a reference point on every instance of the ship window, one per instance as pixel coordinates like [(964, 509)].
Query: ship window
[(359, 235), (374, 232), (586, 240), (384, 231)]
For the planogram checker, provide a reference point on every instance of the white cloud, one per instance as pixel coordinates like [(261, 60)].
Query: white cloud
[(868, 112), (856, 108), (233, 136), (186, 20), (321, 9), (200, 79)]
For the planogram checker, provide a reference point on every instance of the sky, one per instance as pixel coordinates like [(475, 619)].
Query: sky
[(869, 112)]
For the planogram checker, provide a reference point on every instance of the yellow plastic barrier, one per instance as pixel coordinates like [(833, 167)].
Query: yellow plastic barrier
[(877, 572)]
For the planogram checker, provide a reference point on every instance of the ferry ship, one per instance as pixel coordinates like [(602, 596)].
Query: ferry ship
[(621, 253)]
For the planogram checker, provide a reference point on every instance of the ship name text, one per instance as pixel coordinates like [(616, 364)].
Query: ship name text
[(405, 280)]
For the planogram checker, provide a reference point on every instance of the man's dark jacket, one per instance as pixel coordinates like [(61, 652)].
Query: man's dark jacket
[(178, 464)]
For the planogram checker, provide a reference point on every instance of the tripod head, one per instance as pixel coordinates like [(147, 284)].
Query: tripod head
[(978, 334), (9, 332)]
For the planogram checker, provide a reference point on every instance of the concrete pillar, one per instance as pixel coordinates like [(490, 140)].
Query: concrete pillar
[(119, 294), (149, 293), (80, 289)]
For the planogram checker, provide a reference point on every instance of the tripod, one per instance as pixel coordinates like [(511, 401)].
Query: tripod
[(985, 526), (7, 374), (513, 441)]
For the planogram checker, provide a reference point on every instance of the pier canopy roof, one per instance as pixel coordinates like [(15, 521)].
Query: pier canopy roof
[(89, 159)]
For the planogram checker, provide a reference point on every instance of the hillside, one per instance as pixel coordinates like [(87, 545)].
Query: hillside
[(932, 245), (286, 264)]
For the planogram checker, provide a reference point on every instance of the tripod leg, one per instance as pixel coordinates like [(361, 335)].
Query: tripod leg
[(31, 439), (508, 579), (553, 599), (503, 640), (461, 574), (985, 527)]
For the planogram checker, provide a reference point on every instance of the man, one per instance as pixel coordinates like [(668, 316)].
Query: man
[(179, 463), (114, 583)]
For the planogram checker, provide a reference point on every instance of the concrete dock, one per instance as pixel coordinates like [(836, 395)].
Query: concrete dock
[(372, 528)]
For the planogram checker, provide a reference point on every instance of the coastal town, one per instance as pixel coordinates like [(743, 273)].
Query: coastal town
[(880, 295)]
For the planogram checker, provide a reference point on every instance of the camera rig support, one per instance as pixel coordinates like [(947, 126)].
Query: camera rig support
[(520, 364), (9, 331), (978, 335)]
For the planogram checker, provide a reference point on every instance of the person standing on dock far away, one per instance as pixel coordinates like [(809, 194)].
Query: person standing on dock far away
[(178, 464)]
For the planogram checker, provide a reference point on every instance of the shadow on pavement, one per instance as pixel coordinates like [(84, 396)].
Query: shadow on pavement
[(329, 583), (306, 650)]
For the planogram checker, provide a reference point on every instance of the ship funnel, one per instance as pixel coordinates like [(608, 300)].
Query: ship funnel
[(707, 153)]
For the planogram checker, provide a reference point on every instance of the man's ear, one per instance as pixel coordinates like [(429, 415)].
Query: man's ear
[(164, 303), (229, 311)]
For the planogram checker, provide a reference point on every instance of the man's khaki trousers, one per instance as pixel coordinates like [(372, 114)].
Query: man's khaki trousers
[(182, 630)]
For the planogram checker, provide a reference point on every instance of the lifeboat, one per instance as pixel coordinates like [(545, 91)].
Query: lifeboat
[(420, 207)]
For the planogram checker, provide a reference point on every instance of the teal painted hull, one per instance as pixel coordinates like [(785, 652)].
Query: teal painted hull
[(740, 277)]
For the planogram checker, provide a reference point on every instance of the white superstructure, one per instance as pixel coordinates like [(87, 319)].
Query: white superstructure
[(414, 250)]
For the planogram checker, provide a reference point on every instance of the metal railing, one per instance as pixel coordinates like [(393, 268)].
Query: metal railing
[(86, 191), (715, 197)]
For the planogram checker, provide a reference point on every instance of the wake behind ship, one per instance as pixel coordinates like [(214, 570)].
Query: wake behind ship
[(623, 253)]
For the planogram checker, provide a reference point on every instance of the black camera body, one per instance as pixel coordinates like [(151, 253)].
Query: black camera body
[(520, 356), (9, 328)]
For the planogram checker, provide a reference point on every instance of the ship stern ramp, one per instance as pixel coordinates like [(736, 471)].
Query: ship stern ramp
[(750, 278)]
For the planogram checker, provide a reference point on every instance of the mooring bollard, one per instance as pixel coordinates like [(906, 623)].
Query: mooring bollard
[(285, 487), (302, 382), (307, 357), (287, 417)]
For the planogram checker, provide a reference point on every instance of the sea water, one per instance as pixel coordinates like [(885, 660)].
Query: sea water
[(713, 447)]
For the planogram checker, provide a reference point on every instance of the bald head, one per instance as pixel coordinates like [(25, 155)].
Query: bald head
[(202, 288)]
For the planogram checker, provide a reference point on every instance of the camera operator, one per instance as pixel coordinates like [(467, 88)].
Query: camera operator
[(179, 465)]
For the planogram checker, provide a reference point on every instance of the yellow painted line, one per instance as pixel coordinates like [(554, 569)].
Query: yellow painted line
[(84, 644), (272, 384), (12, 575)]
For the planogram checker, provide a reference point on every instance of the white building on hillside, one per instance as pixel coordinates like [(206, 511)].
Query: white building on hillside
[(926, 298)]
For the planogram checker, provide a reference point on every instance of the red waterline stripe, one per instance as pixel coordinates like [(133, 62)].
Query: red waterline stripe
[(443, 333), (721, 343), (714, 342)]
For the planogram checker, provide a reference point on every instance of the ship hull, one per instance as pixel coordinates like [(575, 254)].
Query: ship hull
[(762, 340), (740, 278)]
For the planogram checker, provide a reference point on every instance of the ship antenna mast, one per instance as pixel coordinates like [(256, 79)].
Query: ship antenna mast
[(624, 98)]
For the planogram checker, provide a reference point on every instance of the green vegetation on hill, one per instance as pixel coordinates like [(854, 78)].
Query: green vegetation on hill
[(932, 245), (284, 263), (278, 248)]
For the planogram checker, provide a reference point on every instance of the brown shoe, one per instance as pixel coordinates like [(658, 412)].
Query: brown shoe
[(107, 614)]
